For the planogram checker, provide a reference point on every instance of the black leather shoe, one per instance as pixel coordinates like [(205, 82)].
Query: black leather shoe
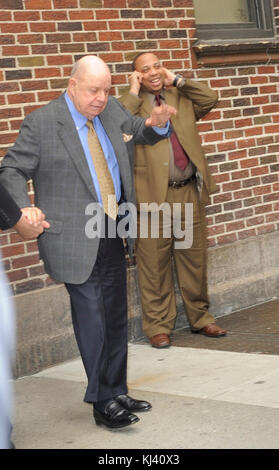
[(131, 404), (114, 416)]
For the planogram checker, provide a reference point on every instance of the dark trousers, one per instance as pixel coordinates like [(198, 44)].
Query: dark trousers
[(99, 314)]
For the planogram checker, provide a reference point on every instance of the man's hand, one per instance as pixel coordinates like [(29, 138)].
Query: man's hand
[(160, 115), (135, 80), (31, 224), (169, 78)]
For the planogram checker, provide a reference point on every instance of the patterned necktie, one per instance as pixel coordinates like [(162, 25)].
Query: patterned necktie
[(181, 159), (102, 171)]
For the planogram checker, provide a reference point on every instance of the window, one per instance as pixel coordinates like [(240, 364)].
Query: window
[(233, 19)]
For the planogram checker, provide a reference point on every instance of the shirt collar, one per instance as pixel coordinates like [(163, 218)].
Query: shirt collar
[(151, 96), (78, 118)]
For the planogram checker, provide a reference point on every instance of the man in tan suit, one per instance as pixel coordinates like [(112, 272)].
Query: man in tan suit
[(173, 171)]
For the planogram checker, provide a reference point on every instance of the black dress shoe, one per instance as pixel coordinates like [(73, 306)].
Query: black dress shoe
[(114, 416), (131, 404)]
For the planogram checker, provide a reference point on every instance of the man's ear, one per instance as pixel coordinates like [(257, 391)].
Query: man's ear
[(72, 84)]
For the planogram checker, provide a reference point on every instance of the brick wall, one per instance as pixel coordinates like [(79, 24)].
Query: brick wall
[(41, 39)]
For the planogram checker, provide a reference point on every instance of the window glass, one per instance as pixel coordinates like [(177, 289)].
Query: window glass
[(234, 19), (221, 11)]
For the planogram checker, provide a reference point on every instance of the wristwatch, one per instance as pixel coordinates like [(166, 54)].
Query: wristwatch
[(177, 77)]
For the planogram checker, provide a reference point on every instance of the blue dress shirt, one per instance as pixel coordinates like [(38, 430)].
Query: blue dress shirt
[(80, 123)]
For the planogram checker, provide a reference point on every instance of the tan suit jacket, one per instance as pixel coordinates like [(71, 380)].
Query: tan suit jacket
[(192, 101)]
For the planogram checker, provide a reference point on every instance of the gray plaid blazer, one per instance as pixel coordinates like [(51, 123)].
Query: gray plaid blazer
[(48, 151)]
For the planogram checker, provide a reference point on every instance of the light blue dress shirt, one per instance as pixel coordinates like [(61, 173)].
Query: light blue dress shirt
[(80, 123)]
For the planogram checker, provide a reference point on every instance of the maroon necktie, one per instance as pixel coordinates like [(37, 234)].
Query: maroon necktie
[(181, 159)]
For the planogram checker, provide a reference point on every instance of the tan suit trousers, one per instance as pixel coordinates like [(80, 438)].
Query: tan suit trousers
[(155, 268)]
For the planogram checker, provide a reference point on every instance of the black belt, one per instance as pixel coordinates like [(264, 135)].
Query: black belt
[(181, 183)]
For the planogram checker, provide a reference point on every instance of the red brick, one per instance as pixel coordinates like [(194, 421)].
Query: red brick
[(43, 27), (273, 108), (237, 155), (38, 4), (215, 230), (232, 186), (259, 79), (243, 213), (268, 89), (266, 229), (17, 275), (111, 36), (80, 37), (54, 15), (253, 131), (260, 100), (212, 115), (25, 261), (107, 14), (48, 96), (12, 250), (165, 24), (34, 85), (262, 190), (235, 226), (266, 69), (272, 218), (120, 25), (59, 60), (95, 25), (218, 83), (30, 38), (205, 127), (114, 3), (47, 72), (243, 194), (118, 79), (64, 4), (243, 123), (15, 50), (26, 16), (221, 178), (153, 13), (224, 146), (14, 28), (122, 46), (233, 134), (15, 125), (246, 143), (249, 162), (21, 98), (81, 15), (5, 16), (58, 37), (272, 129), (259, 171), (222, 198), (263, 209)]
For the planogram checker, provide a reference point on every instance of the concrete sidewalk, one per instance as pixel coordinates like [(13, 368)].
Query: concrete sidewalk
[(202, 399)]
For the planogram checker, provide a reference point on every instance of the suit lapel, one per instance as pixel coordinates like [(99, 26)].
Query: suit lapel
[(146, 108), (69, 136), (171, 100)]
